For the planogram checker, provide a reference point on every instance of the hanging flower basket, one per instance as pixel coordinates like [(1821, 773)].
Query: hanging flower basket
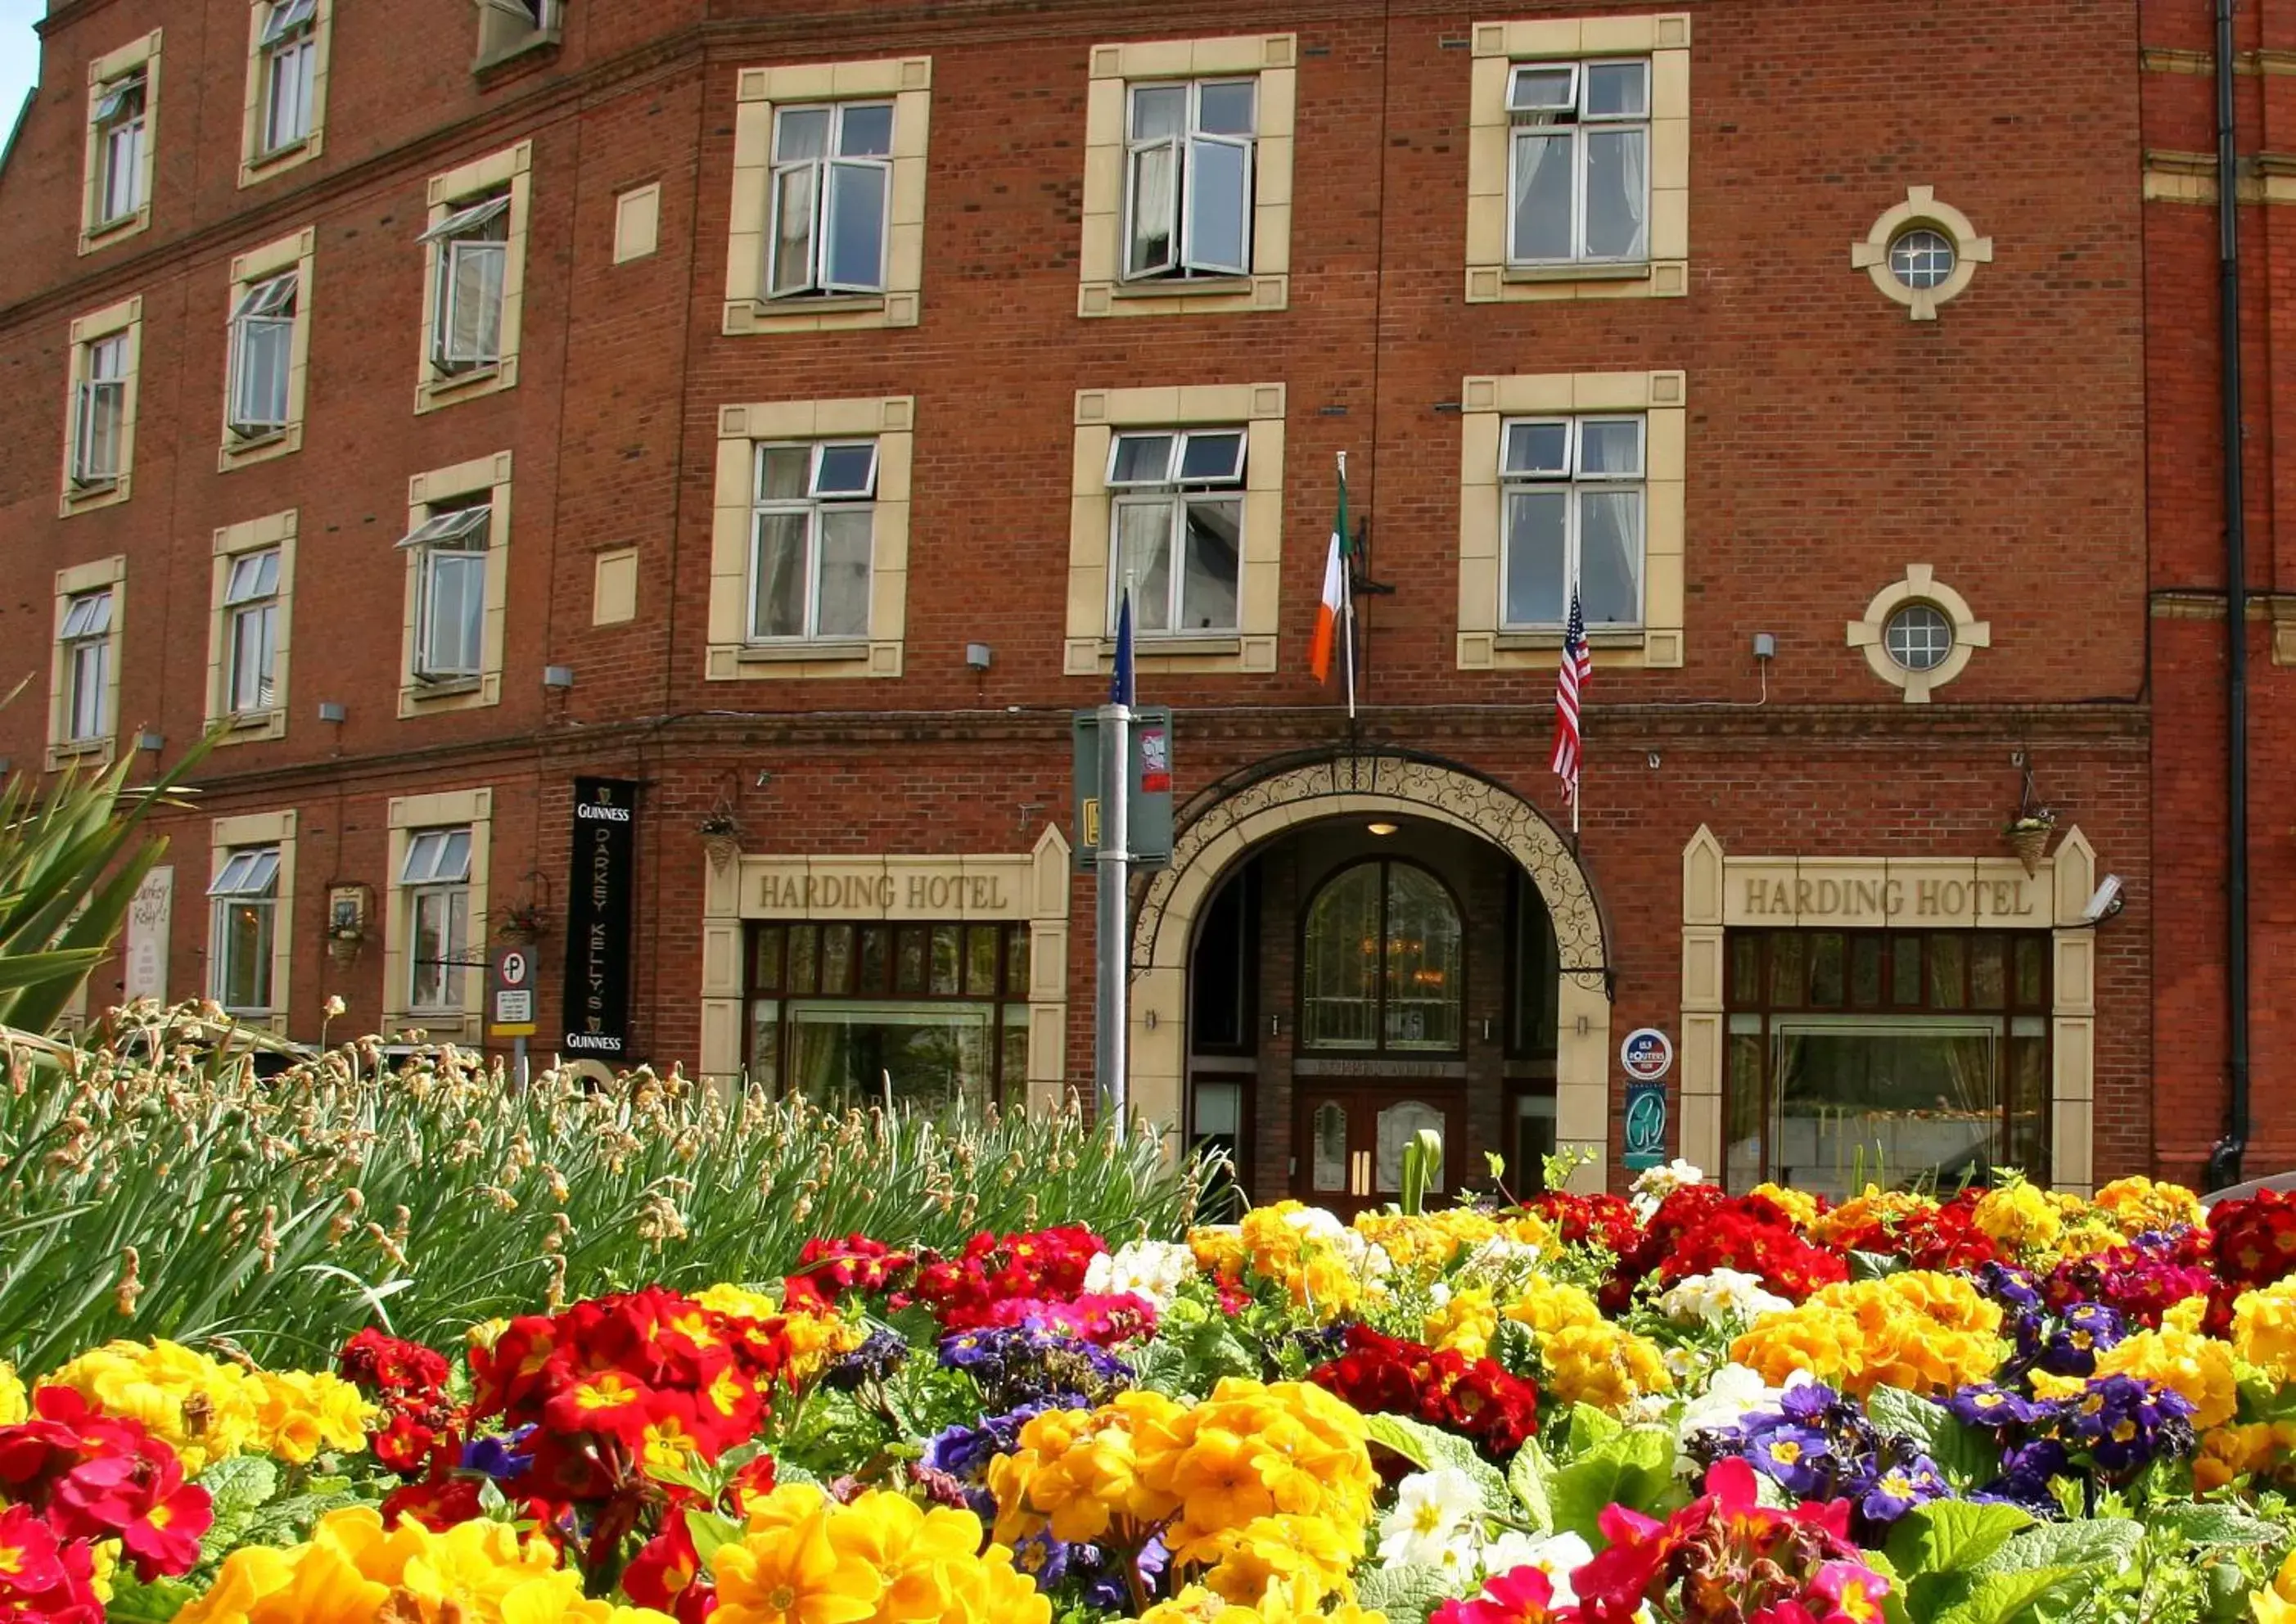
[(343, 947), (723, 846), (2029, 838)]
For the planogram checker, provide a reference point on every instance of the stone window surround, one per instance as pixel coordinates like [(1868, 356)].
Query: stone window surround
[(1662, 399), (908, 83), (250, 535), (1099, 413), (1272, 58), (126, 316), (70, 583), (1922, 208), (1035, 892), (513, 166), (142, 53), (1919, 586), (226, 835), (637, 223), (256, 165), (491, 474), (296, 252), (1713, 900), (1497, 47), (892, 422), (445, 809)]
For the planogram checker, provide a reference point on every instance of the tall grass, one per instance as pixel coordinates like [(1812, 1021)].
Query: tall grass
[(150, 1185)]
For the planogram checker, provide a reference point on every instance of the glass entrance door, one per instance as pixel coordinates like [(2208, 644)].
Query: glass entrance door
[(1350, 1142)]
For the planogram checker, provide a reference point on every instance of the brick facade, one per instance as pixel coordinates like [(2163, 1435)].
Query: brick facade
[(1831, 444)]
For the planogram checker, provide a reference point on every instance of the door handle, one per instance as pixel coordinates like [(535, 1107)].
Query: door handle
[(1360, 1173)]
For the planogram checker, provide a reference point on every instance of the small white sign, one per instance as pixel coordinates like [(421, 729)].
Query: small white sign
[(1647, 1055), (513, 1007), (146, 970)]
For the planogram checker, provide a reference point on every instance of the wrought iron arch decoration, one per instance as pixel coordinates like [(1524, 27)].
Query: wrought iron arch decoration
[(1446, 791)]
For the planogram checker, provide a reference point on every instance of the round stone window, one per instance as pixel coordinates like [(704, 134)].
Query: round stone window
[(1919, 636), (1923, 259)]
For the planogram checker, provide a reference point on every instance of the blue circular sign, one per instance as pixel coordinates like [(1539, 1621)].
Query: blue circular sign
[(1647, 1055)]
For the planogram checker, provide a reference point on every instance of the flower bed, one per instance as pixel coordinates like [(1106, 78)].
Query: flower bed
[(1592, 1410)]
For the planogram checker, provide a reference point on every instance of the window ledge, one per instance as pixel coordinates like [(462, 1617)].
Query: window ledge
[(104, 231), (769, 653), (419, 690), (279, 154), (74, 753), (1177, 648), (1180, 287), (247, 727), (796, 303), (1608, 637), (262, 439), (1592, 271), (534, 45), (441, 381)]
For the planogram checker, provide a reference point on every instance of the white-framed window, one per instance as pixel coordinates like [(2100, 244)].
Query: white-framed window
[(245, 899), (1176, 528), (1572, 490), (250, 607), (86, 637), (813, 528), (472, 251), (99, 407), (290, 48), (262, 356), (119, 136), (1919, 636), (450, 584), (435, 880), (1188, 177), (1578, 183), (832, 188)]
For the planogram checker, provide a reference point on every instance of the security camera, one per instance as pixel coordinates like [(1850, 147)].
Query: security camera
[(2106, 902)]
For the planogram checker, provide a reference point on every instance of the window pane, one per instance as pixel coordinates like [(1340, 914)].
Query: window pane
[(1534, 586), (1329, 1133), (1905, 970), (1743, 1107), (766, 1042), (2025, 1144), (1617, 90), (856, 226), (1012, 1065), (474, 300), (251, 645), (847, 470), (783, 472), (1144, 560), (1618, 193), (1537, 447), (1989, 986), (1396, 1127), (2031, 952), (1541, 227), (802, 133), (765, 961), (845, 543), (1140, 459), (1218, 458), (1424, 953), (287, 116), (1155, 214), (1542, 90), (980, 960), (866, 130), (777, 580), (454, 855), (1887, 1105), (1016, 962), (1746, 970), (1866, 971), (848, 1054), (1159, 111), (1612, 446), (1207, 594), (242, 945), (795, 199), (803, 958), (1220, 205), (1948, 958), (1787, 986), (836, 960), (1826, 969), (1339, 964), (1224, 109), (1611, 556), (909, 966), (946, 960), (876, 950)]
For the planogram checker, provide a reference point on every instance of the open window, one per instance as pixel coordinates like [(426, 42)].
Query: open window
[(1176, 528), (470, 252), (1188, 179), (450, 555), (263, 357), (813, 533)]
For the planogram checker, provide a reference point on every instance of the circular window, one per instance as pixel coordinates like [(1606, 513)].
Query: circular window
[(1919, 636), (1923, 259)]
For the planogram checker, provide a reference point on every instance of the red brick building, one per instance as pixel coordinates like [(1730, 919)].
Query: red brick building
[(762, 410)]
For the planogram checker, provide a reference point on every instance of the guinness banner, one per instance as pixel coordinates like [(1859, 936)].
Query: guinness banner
[(598, 919)]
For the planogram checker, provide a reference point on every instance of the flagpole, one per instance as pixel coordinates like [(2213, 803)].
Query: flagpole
[(1347, 584), (1579, 780), (1111, 949)]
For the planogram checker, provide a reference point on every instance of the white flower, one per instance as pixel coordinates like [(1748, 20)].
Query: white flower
[(1735, 1391), (1433, 1509), (1654, 1184), (1151, 1269), (1722, 1301), (1558, 1556), (335, 1005)]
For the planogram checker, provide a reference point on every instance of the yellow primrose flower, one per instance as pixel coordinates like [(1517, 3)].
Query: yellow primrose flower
[(2019, 1216), (804, 1559), (15, 1404), (1602, 1365), (2138, 1204), (1548, 1306), (1798, 1205), (298, 1412), (1466, 1324), (1925, 1331), (2200, 1368), (205, 1410), (2275, 1604), (2264, 1330)]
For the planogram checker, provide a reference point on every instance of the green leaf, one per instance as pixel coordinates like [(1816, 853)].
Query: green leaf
[(1951, 1535), (1530, 1476), (1874, 1265), (1636, 1470), (1406, 1594), (134, 1601), (239, 1487), (2212, 1525), (1590, 1428), (1431, 1447), (2007, 1598), (709, 1531), (2102, 1544), (1966, 1456)]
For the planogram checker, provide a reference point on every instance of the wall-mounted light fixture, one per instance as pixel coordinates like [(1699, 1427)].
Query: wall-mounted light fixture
[(1383, 828), (153, 741), (330, 711), (980, 656), (558, 677)]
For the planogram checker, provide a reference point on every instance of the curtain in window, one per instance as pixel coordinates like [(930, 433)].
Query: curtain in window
[(843, 1054), (1215, 557), (1618, 194), (1611, 556), (1144, 558), (845, 544), (1536, 544), (778, 576), (1542, 197), (474, 294)]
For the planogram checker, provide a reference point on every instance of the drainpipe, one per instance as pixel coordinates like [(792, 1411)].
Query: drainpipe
[(2225, 1158)]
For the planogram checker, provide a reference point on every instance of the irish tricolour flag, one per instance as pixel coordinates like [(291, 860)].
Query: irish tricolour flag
[(1334, 610)]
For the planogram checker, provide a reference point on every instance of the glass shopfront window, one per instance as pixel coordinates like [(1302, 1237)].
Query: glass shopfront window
[(846, 1014), (1899, 1058)]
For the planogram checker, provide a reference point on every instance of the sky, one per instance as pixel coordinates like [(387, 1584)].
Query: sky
[(20, 56)]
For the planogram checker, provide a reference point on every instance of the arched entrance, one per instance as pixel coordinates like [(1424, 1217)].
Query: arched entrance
[(1390, 1071)]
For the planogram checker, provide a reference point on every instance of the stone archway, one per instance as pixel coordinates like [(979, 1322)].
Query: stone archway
[(1217, 835)]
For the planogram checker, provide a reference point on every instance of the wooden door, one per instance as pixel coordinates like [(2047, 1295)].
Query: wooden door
[(1350, 1142)]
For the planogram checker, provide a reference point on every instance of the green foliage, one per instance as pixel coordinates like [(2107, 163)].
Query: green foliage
[(1429, 1447), (283, 1214), (1968, 1457), (1406, 1594), (1193, 1350), (1420, 1157), (1633, 1468)]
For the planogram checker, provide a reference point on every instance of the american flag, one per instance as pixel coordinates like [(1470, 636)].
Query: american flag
[(1578, 668)]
